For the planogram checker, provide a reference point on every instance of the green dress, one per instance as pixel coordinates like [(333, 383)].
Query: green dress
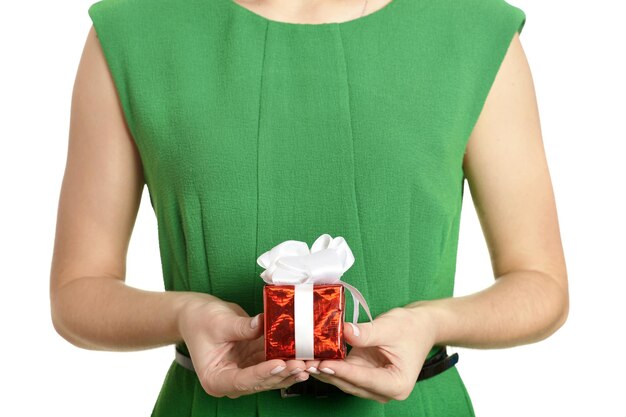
[(253, 131)]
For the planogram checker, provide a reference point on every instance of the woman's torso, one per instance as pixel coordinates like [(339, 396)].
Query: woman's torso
[(253, 131)]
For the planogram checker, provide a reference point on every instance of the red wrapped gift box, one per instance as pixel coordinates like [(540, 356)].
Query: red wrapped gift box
[(328, 314)]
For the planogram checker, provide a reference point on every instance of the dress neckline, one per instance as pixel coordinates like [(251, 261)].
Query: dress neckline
[(361, 20)]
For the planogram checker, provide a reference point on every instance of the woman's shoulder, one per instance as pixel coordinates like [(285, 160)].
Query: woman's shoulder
[(475, 6), (120, 6), (479, 14), (134, 25), (472, 25), (146, 5), (145, 14)]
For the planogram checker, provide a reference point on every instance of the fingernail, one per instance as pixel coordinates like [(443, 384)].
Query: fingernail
[(328, 371), (300, 378), (255, 321), (295, 371), (313, 370), (277, 370), (355, 328)]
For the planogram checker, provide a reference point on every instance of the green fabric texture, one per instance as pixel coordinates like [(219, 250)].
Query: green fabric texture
[(253, 131)]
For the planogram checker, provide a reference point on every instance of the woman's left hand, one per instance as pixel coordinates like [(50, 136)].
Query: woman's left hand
[(386, 356)]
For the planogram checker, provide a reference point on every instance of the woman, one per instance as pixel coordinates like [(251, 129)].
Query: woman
[(255, 123)]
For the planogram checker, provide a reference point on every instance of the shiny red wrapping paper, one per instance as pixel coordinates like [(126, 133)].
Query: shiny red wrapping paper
[(328, 312)]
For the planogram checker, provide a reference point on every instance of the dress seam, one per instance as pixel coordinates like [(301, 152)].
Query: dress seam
[(204, 246), (354, 186), (258, 134), (186, 276)]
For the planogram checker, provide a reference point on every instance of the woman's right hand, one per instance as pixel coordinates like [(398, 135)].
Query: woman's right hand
[(226, 346)]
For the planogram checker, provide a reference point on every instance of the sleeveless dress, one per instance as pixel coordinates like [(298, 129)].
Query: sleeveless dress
[(253, 131)]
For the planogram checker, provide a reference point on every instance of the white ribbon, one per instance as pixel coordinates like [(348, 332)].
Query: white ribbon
[(292, 263)]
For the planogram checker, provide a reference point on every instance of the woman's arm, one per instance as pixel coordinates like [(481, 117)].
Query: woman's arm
[(506, 169), (91, 306), (507, 173)]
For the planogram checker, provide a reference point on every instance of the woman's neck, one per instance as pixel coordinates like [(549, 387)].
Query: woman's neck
[(311, 11)]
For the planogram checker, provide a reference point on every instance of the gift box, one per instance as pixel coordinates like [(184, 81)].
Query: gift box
[(304, 299), (327, 321)]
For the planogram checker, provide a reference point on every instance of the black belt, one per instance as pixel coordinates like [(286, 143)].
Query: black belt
[(434, 365)]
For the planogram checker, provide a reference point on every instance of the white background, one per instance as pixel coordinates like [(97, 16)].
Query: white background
[(576, 52)]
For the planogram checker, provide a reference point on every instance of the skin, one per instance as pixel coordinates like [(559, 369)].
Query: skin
[(311, 11), (508, 177)]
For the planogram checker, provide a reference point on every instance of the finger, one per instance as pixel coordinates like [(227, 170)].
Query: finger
[(311, 366), (292, 379), (281, 379), (252, 359), (242, 327), (288, 376), (295, 366), (374, 333), (235, 380), (350, 388), (388, 381), (243, 385), (250, 352)]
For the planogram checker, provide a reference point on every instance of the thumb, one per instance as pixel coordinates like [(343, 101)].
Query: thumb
[(363, 334), (242, 328)]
